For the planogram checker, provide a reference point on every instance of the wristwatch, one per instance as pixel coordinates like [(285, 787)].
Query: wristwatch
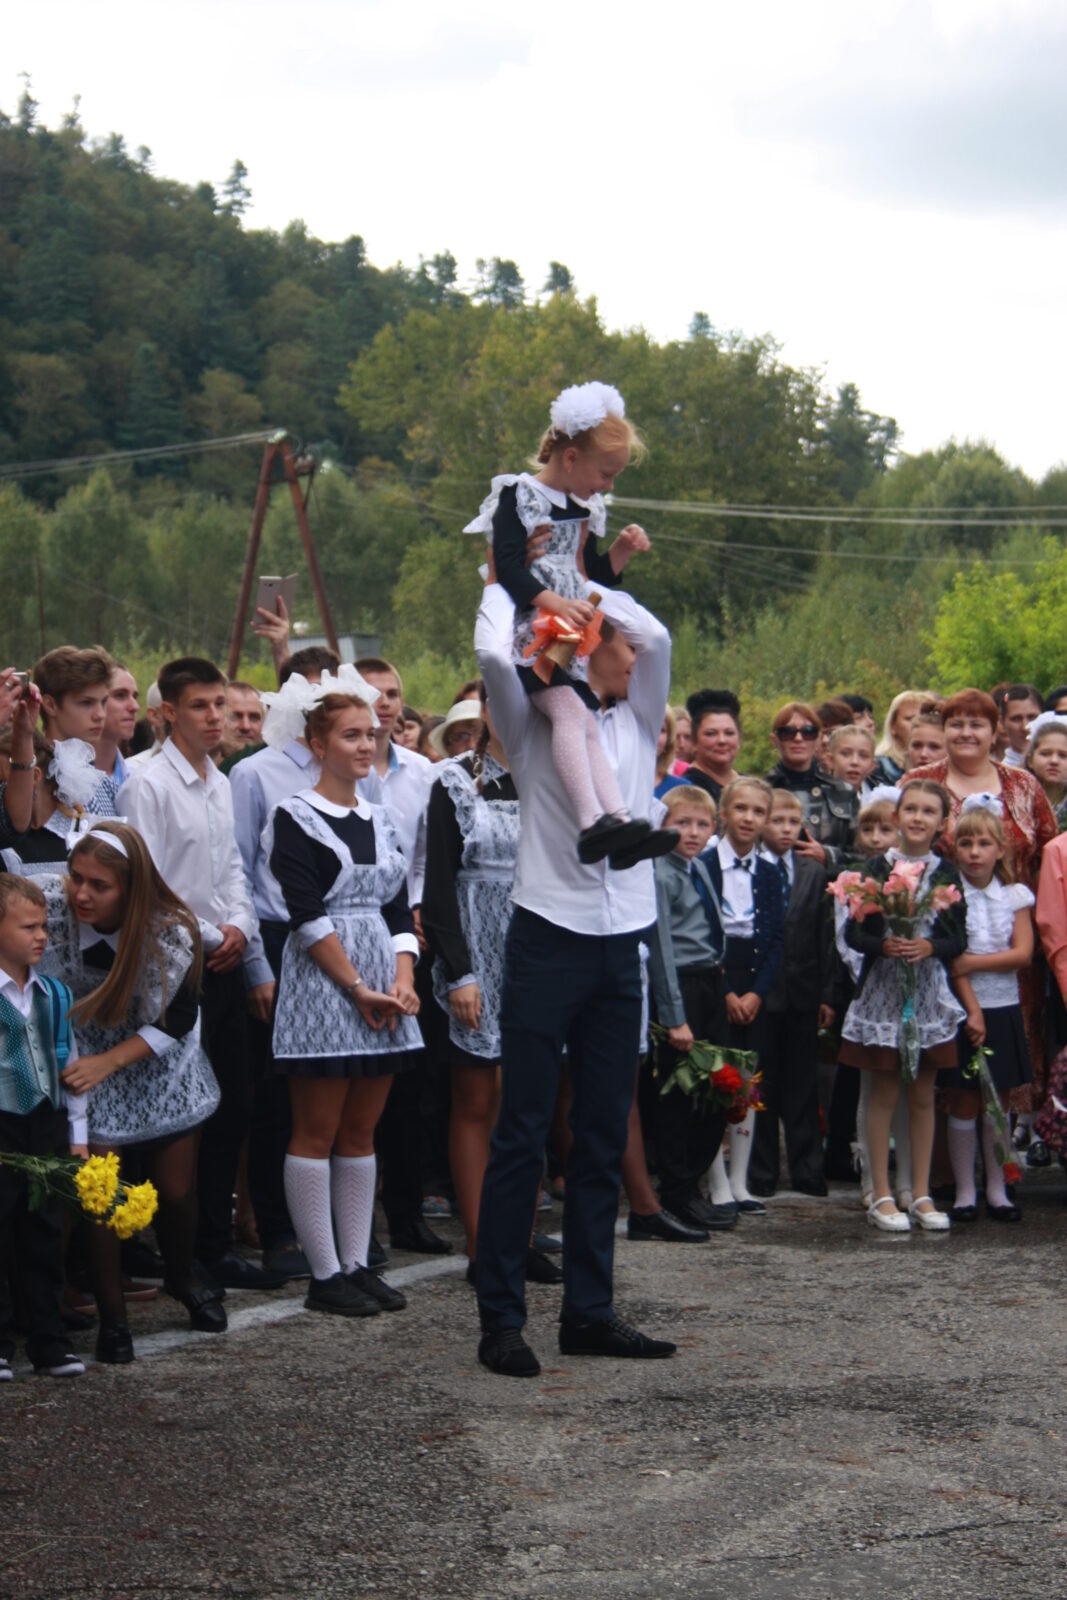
[(22, 766), (351, 988)]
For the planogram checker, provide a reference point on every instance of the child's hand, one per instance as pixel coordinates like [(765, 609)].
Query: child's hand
[(80, 1151), (810, 848), (826, 1016), (913, 950), (466, 1005), (632, 541), (681, 1038), (751, 1003), (735, 1010), (86, 1073), (577, 614), (975, 1028)]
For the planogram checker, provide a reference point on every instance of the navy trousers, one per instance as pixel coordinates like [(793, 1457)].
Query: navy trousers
[(582, 992)]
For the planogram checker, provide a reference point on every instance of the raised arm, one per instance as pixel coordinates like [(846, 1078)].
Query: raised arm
[(650, 680), (508, 700)]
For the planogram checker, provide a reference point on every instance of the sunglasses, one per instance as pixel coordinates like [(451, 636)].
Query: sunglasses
[(809, 733)]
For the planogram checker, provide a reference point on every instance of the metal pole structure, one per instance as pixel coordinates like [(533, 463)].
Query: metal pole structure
[(248, 572), (310, 551), (40, 604)]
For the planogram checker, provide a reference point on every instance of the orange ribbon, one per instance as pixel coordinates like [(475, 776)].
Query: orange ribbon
[(555, 643)]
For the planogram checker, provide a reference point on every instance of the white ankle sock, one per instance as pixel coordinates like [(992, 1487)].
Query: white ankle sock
[(995, 1192), (719, 1183), (740, 1153), (962, 1149), (307, 1194), (352, 1187)]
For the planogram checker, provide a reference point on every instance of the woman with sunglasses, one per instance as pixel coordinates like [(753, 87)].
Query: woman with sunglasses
[(830, 806)]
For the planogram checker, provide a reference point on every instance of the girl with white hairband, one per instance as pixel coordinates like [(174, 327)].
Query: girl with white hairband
[(586, 446), (1046, 758), (66, 785), (1000, 944), (130, 952)]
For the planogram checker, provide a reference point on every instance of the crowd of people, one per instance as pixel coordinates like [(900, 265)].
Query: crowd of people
[(272, 949)]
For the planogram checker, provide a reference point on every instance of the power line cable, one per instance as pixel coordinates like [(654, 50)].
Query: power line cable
[(36, 469)]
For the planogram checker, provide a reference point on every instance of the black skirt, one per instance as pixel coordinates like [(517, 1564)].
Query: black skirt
[(1009, 1065), (559, 680), (343, 1066)]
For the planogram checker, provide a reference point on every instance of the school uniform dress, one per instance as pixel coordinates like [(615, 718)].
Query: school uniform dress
[(341, 871), (514, 508), (472, 843), (990, 926), (871, 1031), (167, 1093), (789, 1063)]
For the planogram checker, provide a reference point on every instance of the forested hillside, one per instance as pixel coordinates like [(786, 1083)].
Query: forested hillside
[(137, 313)]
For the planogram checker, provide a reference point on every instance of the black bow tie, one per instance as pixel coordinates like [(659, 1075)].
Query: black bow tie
[(744, 863)]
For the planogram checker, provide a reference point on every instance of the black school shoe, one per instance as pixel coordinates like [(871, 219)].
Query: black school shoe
[(505, 1352), (233, 1271), (612, 1337), (203, 1301), (660, 842), (539, 1269), (609, 836), (114, 1346), (340, 1298), (1008, 1213), (664, 1226), (369, 1283), (419, 1239)]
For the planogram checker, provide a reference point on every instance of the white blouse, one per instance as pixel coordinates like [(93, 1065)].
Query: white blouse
[(990, 924)]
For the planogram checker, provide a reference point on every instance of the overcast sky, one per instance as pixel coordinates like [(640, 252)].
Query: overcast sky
[(882, 190)]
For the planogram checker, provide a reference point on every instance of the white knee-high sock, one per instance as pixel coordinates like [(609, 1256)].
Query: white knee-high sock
[(307, 1194), (740, 1152), (995, 1192), (719, 1183), (352, 1188), (605, 782), (962, 1149)]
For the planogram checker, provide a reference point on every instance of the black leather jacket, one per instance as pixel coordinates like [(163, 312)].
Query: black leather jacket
[(830, 808)]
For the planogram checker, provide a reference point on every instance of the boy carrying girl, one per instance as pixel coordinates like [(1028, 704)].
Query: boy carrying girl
[(36, 1044)]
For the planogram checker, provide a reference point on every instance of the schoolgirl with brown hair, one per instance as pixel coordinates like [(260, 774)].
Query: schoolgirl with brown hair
[(130, 952)]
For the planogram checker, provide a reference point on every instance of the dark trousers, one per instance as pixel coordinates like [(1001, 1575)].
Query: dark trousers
[(224, 1034), (790, 1092), (841, 1133), (687, 1135), (31, 1243), (270, 1125), (398, 1139), (582, 992), (738, 978)]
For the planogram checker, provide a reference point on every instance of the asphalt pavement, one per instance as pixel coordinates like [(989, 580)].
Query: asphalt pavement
[(848, 1415)]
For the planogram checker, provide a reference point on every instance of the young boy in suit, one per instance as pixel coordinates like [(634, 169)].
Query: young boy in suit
[(685, 968), (753, 921), (798, 1005)]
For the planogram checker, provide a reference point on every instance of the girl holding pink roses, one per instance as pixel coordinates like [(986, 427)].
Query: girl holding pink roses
[(906, 920)]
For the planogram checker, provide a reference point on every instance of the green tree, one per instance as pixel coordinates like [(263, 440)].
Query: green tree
[(996, 624), (499, 283), (559, 280), (238, 196)]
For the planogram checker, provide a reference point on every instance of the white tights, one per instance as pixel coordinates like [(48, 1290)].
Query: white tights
[(578, 756)]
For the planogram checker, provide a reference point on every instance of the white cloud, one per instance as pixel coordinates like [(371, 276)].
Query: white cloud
[(875, 188)]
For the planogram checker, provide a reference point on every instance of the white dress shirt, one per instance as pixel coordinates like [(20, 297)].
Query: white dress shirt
[(257, 784), (187, 823), (76, 1104), (405, 794), (156, 1040), (738, 901), (549, 879), (990, 929)]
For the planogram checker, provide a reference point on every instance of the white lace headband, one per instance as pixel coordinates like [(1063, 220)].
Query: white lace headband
[(1047, 719), (112, 840), (983, 802), (584, 406)]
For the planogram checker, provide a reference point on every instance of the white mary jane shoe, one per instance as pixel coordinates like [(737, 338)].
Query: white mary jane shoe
[(929, 1221), (889, 1222)]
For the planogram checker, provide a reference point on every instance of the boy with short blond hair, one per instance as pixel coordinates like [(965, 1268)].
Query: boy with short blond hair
[(36, 1044)]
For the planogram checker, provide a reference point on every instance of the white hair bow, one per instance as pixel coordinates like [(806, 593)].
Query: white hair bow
[(1047, 719), (584, 406), (982, 802), (884, 791)]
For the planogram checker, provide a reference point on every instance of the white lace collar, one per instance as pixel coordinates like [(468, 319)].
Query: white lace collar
[(329, 809)]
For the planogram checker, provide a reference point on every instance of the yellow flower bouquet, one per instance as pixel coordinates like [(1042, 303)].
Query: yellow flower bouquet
[(93, 1187)]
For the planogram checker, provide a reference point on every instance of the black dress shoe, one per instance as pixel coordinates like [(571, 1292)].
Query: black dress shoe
[(203, 1301), (539, 1269), (701, 1213), (1037, 1155), (340, 1298), (762, 1189), (546, 1242), (609, 835), (612, 1337), (506, 1352), (664, 1225), (369, 1283), (964, 1213), (660, 842), (419, 1238), (751, 1208), (1007, 1213), (812, 1186), (232, 1271), (377, 1256), (114, 1346), (288, 1260)]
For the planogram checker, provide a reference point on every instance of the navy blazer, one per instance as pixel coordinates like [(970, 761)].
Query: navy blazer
[(769, 928), (806, 976)]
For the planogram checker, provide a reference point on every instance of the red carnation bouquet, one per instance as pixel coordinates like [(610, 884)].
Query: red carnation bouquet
[(725, 1080)]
